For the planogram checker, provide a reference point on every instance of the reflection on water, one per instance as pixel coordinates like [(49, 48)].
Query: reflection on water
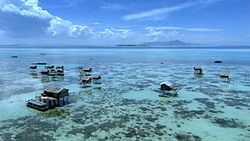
[(126, 105)]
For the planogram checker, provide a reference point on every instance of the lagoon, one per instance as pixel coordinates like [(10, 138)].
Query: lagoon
[(126, 106)]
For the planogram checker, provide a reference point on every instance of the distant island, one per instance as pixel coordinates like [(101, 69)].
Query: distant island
[(129, 45), (167, 43)]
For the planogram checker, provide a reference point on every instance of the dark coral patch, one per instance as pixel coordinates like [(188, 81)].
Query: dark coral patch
[(188, 113), (228, 123), (187, 137), (209, 105), (30, 129)]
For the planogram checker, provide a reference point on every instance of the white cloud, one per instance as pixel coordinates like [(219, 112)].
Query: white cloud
[(26, 8), (57, 26), (112, 6), (60, 27), (114, 34), (155, 34), (185, 29), (52, 25), (167, 10)]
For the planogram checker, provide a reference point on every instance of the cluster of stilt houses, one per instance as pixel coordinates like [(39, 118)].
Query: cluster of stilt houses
[(47, 72), (54, 96), (168, 88), (86, 77)]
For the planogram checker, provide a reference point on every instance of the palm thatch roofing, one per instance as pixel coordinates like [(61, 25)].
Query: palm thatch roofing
[(96, 77), (54, 89), (87, 69), (197, 68), (224, 75), (56, 92), (167, 86)]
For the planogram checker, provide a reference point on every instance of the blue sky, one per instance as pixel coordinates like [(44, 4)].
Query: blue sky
[(104, 22)]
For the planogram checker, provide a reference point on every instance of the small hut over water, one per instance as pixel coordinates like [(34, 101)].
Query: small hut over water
[(49, 67), (85, 80), (60, 67), (45, 72), (86, 71), (224, 77), (60, 70), (168, 89), (50, 98), (96, 79), (167, 86), (33, 67), (55, 93), (198, 70)]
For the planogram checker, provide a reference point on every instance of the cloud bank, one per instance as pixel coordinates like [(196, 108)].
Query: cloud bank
[(45, 23), (26, 19)]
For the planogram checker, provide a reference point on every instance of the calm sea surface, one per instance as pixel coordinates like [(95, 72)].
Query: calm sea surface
[(126, 106)]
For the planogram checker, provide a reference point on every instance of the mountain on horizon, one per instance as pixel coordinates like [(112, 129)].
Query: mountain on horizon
[(168, 43)]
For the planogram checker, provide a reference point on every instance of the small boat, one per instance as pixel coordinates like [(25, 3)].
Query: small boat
[(217, 61), (38, 105), (14, 56), (168, 89)]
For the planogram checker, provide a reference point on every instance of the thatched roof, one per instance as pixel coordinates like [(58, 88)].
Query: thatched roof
[(96, 77), (87, 69), (53, 89), (224, 74), (59, 67), (33, 66), (39, 63), (49, 66), (197, 68), (167, 83), (84, 79)]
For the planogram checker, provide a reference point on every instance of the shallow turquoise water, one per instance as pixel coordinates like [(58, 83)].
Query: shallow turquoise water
[(126, 105)]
